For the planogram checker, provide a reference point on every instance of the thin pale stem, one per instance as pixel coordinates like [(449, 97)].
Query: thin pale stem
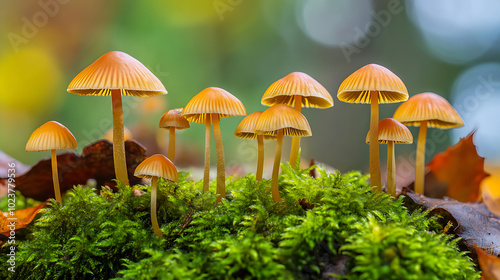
[(206, 171), (171, 144), (419, 171), (276, 168), (118, 134), (221, 169), (154, 219), (294, 152), (55, 176), (391, 169), (374, 146), (260, 160)]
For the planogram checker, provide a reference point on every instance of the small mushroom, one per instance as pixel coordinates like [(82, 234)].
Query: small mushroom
[(154, 167), (373, 84), (299, 90), (278, 121), (426, 110), (246, 130), (173, 120), (116, 74), (391, 132), (208, 107), (52, 136), (127, 134)]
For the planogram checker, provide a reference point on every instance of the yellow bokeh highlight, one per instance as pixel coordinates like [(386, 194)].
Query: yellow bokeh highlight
[(182, 12), (29, 81)]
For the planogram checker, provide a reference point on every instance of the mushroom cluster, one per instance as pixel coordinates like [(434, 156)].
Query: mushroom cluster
[(117, 73)]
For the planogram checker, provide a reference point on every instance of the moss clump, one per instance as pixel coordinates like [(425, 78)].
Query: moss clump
[(324, 226)]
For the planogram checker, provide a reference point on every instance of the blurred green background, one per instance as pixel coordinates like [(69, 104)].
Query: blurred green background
[(450, 48)]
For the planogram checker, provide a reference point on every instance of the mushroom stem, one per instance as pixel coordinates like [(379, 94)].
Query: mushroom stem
[(154, 219), (294, 153), (419, 171), (171, 144), (374, 146), (260, 160), (206, 172), (118, 134), (277, 159), (391, 169), (221, 169), (55, 176)]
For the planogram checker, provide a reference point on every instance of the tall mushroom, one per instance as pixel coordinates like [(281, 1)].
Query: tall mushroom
[(278, 121), (299, 90), (246, 129), (373, 84), (154, 167), (391, 132), (116, 74), (208, 107), (173, 120), (426, 110), (52, 136)]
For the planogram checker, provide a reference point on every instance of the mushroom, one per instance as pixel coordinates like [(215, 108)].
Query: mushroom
[(391, 132), (426, 110), (116, 74), (154, 167), (127, 134), (173, 120), (208, 107), (299, 90), (278, 121), (52, 136), (373, 84), (246, 129)]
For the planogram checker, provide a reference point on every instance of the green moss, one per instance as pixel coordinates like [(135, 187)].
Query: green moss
[(324, 226)]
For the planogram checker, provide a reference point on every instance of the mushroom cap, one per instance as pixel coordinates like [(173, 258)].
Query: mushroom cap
[(213, 100), (157, 166), (127, 135), (51, 136), (358, 86), (284, 90), (391, 130), (116, 70), (281, 116), (429, 107), (174, 118), (246, 128)]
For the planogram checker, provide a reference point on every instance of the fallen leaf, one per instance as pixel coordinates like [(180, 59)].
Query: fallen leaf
[(490, 192), (96, 162), (473, 222), (17, 219), (490, 265), (461, 169)]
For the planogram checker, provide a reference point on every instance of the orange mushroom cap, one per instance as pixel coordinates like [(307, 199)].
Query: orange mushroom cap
[(284, 90), (213, 100), (357, 87), (157, 166), (127, 135), (116, 70), (246, 128), (391, 130), (429, 107), (281, 116), (174, 118), (51, 136)]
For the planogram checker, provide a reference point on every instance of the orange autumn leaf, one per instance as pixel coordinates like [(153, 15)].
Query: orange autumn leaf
[(490, 265), (20, 218), (461, 168)]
